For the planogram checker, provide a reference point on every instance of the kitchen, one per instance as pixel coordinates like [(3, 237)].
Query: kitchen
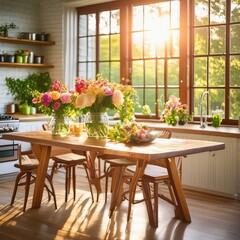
[(54, 18)]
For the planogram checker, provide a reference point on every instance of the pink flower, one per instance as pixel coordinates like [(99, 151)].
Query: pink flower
[(56, 106), (108, 91), (117, 98), (36, 100), (65, 98), (46, 99)]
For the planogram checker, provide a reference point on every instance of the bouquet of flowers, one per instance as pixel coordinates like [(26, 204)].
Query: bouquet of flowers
[(132, 132), (58, 101), (175, 111), (96, 96)]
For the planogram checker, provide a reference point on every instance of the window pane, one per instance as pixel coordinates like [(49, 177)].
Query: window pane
[(217, 40), (83, 49), (161, 100), (92, 49), (82, 70), (218, 11), (137, 73), (104, 22), (160, 72), (216, 99), (200, 12), (115, 47), (140, 98), (149, 46), (173, 72), (91, 71), (200, 72), (201, 41), (235, 11), (175, 14), (234, 38), (104, 69), (115, 21), (137, 45), (172, 91), (137, 20), (174, 47), (150, 98), (83, 25), (216, 71), (234, 103), (197, 97), (115, 72), (235, 71), (91, 24), (104, 48), (150, 73)]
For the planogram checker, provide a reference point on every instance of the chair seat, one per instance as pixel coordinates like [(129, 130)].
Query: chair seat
[(69, 158), (152, 172), (27, 163)]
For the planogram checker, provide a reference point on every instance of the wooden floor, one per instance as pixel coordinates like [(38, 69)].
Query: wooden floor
[(213, 218)]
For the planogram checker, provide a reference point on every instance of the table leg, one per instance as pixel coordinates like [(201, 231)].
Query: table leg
[(117, 188), (182, 211), (94, 178), (42, 153), (140, 167)]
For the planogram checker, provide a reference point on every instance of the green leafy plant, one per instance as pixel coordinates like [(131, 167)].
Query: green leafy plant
[(5, 27), (22, 89)]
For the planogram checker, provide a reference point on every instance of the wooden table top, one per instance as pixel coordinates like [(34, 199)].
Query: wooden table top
[(159, 148)]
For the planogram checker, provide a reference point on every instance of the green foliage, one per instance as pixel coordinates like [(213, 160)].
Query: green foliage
[(22, 89), (6, 26)]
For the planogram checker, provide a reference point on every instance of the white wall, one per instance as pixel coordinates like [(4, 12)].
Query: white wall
[(35, 16)]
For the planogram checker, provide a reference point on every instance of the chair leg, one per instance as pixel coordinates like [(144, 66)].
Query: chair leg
[(49, 178), (74, 181), (89, 182), (67, 182), (53, 169), (18, 178), (147, 197), (27, 186), (155, 207)]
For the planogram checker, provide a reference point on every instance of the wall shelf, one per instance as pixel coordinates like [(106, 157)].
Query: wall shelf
[(25, 41), (33, 65)]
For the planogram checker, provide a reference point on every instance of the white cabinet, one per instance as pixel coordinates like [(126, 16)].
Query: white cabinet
[(216, 172)]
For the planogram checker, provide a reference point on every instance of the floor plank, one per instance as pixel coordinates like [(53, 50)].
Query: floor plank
[(213, 217)]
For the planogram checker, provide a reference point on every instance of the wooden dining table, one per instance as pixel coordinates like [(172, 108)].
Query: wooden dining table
[(166, 149)]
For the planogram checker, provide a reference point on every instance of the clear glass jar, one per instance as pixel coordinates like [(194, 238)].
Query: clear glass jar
[(60, 125), (96, 125)]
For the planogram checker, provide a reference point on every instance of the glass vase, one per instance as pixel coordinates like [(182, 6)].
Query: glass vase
[(60, 126), (96, 125)]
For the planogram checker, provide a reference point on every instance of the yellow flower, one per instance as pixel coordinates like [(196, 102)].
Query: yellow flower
[(55, 95), (117, 98)]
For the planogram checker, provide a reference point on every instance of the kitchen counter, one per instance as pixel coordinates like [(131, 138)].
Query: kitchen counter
[(223, 131), (30, 118)]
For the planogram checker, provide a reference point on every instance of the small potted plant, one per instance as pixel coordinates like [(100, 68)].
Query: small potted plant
[(217, 117), (22, 56), (5, 27)]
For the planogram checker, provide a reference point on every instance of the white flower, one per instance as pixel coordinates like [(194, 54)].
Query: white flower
[(85, 100), (117, 98)]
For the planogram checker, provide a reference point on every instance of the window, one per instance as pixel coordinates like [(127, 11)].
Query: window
[(147, 44), (133, 42), (216, 56), (155, 52)]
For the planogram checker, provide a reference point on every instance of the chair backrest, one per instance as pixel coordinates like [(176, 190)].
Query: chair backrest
[(46, 127), (165, 134)]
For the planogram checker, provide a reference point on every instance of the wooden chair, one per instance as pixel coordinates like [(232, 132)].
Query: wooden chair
[(27, 176), (68, 160), (156, 173)]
